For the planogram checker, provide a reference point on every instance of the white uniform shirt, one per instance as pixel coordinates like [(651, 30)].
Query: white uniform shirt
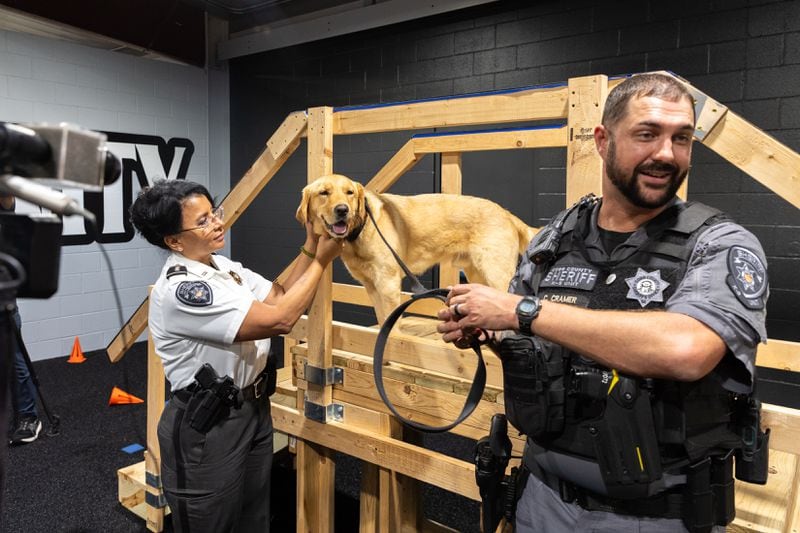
[(196, 312)]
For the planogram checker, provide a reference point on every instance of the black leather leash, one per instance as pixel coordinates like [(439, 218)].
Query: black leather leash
[(421, 293), (416, 286), (478, 380)]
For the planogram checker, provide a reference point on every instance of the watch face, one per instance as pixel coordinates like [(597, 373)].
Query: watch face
[(527, 306)]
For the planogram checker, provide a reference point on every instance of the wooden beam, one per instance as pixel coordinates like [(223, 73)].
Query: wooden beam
[(769, 162), (430, 354), (399, 164), (517, 105), (779, 354), (451, 184), (428, 466), (316, 466), (514, 139), (785, 424), (587, 96), (280, 146)]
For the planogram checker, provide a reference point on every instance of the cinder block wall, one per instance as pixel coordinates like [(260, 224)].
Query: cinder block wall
[(49, 80), (746, 54)]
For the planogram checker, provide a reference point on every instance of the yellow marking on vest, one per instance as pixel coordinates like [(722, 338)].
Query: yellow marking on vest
[(614, 381), (639, 454)]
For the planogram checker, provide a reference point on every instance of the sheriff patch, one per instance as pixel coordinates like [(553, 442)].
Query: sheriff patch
[(747, 277), (570, 277), (646, 287), (194, 293)]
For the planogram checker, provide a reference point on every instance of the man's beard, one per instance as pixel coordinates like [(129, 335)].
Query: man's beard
[(629, 186)]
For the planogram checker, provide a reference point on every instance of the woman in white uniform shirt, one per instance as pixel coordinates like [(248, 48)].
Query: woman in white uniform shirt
[(207, 309)]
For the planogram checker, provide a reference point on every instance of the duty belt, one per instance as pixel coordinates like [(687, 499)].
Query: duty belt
[(250, 393), (666, 504)]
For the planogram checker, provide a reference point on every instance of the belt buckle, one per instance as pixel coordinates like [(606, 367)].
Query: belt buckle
[(256, 392)]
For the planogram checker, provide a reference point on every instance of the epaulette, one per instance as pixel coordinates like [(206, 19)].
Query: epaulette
[(176, 270)]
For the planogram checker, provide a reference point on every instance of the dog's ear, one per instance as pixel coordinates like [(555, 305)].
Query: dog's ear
[(361, 206), (302, 211)]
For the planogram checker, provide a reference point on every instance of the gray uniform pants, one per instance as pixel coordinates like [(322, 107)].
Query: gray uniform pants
[(218, 482), (542, 510)]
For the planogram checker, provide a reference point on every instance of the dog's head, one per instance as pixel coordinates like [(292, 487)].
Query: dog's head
[(333, 204)]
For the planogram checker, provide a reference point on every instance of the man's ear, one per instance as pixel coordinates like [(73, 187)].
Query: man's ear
[(302, 211), (601, 138)]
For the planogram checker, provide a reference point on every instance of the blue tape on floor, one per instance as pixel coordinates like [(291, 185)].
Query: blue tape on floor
[(133, 448)]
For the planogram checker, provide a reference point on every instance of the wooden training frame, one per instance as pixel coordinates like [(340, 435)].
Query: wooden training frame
[(426, 379)]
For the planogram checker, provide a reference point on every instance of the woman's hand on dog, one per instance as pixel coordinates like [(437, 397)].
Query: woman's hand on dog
[(471, 306), (327, 249)]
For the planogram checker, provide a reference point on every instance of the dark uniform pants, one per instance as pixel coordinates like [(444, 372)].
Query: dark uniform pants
[(218, 482), (541, 510)]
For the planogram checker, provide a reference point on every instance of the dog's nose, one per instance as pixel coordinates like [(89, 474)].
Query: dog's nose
[(341, 210)]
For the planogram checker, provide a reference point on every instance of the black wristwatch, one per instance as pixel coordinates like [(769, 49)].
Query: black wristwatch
[(527, 311)]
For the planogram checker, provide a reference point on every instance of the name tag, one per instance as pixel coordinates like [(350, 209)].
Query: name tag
[(570, 277), (569, 299)]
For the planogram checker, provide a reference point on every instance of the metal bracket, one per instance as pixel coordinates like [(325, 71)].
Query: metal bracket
[(332, 412), (708, 113), (324, 376), (152, 480), (155, 500)]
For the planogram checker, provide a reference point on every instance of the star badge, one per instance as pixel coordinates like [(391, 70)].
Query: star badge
[(646, 287)]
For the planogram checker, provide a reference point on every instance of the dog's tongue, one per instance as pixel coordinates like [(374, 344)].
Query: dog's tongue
[(340, 228)]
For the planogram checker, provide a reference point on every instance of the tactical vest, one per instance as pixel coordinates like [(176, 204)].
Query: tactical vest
[(688, 420)]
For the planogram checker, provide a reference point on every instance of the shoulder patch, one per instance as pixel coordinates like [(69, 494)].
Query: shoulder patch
[(747, 277), (194, 293), (176, 270)]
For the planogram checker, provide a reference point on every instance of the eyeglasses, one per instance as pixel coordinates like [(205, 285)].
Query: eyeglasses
[(205, 224)]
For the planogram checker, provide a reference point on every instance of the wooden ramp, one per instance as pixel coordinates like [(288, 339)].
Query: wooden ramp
[(425, 378)]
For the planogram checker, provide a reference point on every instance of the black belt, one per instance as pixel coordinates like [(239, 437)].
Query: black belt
[(666, 504), (252, 392)]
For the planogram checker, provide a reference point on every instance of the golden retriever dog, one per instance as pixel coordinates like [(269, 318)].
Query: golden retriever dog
[(474, 234)]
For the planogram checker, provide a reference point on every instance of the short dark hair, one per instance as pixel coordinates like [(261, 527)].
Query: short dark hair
[(641, 85), (158, 210)]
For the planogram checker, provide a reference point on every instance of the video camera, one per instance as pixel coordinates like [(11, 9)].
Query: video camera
[(32, 157)]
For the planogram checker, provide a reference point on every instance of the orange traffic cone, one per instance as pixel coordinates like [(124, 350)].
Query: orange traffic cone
[(120, 397), (77, 354)]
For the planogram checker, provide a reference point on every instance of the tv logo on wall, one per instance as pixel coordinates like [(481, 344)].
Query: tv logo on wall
[(145, 159)]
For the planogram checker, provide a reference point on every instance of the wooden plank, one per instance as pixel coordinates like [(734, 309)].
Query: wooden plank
[(451, 184), (155, 406), (785, 424), (769, 162), (425, 465), (587, 96), (131, 488), (280, 146), (779, 354), (546, 137), (357, 295), (315, 463), (400, 163), (763, 508), (131, 331), (315, 482), (431, 354), (524, 105)]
